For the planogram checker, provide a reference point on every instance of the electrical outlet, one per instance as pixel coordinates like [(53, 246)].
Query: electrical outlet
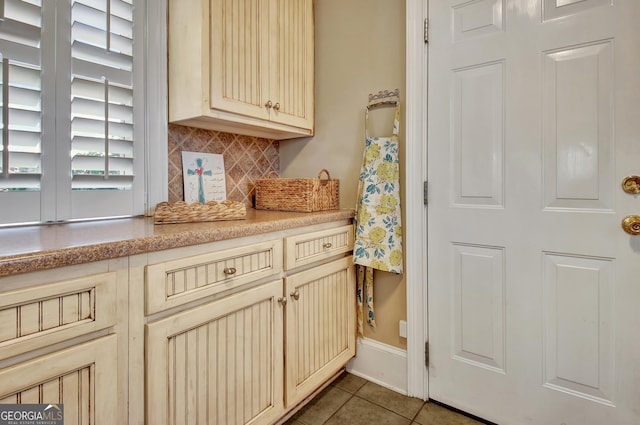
[(403, 328)]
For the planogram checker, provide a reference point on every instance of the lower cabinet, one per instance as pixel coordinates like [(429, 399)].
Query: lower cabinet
[(63, 341), (83, 378), (252, 356), (221, 363), (320, 326), (236, 332)]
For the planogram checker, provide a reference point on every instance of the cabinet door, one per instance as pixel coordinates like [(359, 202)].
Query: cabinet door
[(240, 57), (320, 326), (82, 378), (292, 63), (221, 363)]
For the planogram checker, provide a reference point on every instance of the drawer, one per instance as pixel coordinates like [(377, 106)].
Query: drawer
[(311, 247), (46, 314), (177, 282)]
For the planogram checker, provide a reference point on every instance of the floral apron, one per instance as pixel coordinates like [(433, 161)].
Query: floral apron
[(378, 230)]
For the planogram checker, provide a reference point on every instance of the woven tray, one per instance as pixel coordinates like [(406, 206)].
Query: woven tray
[(298, 194), (181, 212)]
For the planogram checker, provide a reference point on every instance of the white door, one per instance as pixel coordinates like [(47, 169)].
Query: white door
[(534, 288)]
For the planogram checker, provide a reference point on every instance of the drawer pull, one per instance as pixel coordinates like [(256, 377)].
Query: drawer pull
[(229, 271), (295, 295), (327, 245)]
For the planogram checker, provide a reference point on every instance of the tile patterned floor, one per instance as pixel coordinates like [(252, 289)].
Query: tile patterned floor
[(351, 400)]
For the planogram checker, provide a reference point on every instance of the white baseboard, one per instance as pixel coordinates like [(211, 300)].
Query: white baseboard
[(380, 363)]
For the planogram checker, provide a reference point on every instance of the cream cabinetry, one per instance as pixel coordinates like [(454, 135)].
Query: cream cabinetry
[(244, 67), (262, 339), (81, 377), (313, 247), (60, 342), (320, 332), (220, 363), (238, 331), (175, 282), (321, 326)]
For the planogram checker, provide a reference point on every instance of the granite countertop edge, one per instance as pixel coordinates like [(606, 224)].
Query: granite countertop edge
[(46, 247)]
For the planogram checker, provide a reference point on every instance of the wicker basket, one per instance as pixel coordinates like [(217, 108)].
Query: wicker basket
[(181, 212), (298, 194)]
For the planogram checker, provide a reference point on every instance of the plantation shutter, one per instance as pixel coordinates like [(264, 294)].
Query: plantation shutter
[(20, 104), (70, 146), (102, 94)]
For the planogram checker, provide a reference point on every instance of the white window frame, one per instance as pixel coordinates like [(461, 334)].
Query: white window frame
[(156, 105)]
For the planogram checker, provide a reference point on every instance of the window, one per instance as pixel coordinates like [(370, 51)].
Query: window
[(72, 109)]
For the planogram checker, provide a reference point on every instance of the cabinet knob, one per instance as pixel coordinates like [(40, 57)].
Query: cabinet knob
[(327, 245), (269, 104), (283, 301), (276, 107), (295, 295), (229, 271)]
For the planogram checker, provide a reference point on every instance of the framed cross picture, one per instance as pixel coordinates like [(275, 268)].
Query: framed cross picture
[(204, 177)]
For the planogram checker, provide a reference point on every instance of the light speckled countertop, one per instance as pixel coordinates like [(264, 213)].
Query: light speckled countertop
[(31, 248)]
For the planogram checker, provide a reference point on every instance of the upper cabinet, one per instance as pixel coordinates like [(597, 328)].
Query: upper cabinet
[(242, 66)]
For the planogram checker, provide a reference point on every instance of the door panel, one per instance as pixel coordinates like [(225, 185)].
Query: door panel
[(577, 118), (477, 104), (560, 8), (533, 287), (477, 18), (479, 305), (578, 318)]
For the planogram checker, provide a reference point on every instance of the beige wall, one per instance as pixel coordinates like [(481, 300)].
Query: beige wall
[(360, 49)]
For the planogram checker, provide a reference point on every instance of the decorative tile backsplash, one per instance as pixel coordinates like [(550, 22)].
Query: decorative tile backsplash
[(246, 159)]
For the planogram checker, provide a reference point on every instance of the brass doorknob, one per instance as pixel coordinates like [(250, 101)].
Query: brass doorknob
[(631, 184), (631, 224)]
